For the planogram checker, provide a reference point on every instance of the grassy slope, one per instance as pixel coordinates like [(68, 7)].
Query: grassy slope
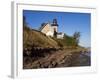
[(67, 41), (37, 39), (33, 38)]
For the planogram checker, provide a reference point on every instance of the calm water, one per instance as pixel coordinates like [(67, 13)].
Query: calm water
[(84, 59)]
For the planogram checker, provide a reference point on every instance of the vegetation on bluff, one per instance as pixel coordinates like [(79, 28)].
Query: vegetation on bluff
[(34, 38)]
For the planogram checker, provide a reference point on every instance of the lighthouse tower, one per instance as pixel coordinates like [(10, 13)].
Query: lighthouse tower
[(54, 25)]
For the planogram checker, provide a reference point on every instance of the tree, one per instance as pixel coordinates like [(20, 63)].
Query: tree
[(24, 21), (76, 36), (25, 25)]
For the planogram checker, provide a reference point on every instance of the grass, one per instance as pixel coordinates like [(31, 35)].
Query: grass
[(67, 41), (34, 38)]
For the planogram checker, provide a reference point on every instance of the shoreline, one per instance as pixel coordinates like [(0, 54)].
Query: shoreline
[(56, 59)]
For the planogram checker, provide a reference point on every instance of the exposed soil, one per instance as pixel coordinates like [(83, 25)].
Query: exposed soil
[(57, 58)]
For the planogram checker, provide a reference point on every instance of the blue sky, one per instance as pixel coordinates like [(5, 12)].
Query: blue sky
[(69, 22)]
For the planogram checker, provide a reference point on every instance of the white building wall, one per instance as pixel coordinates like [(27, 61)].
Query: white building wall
[(60, 36), (50, 33), (55, 28)]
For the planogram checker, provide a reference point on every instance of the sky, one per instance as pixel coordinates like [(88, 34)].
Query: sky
[(69, 23)]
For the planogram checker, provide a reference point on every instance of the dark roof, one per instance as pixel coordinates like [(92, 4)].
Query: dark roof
[(59, 33), (42, 26), (54, 25)]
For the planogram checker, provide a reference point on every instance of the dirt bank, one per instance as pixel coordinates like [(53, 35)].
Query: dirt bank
[(60, 58)]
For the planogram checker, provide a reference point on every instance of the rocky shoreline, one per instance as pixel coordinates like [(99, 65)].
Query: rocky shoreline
[(60, 58)]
